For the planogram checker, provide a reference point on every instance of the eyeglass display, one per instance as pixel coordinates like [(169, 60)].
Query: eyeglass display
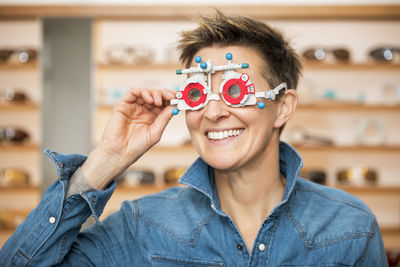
[(10, 219), (385, 54), (370, 131), (322, 54), (390, 94), (13, 135), (14, 177), (21, 55), (357, 175), (314, 175), (135, 177), (13, 96), (130, 54), (393, 256), (172, 175), (300, 136)]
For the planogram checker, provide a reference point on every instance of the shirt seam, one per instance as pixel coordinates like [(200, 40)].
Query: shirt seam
[(315, 245), (308, 189), (273, 232), (370, 235), (137, 236), (191, 242)]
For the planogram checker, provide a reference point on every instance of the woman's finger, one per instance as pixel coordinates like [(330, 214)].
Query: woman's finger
[(145, 93), (168, 94), (131, 96), (160, 123), (157, 97)]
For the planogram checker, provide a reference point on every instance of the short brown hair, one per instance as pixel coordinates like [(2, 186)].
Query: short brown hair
[(283, 63)]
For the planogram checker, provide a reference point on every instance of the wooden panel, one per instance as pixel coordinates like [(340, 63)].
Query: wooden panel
[(381, 12)]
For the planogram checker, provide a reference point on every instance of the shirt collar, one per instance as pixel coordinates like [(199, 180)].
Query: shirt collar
[(200, 175)]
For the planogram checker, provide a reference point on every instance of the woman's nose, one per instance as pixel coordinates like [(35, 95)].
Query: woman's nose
[(215, 110)]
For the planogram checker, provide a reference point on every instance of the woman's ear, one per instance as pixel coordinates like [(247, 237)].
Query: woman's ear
[(286, 107)]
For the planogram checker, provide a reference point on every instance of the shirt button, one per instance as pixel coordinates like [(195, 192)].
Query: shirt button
[(52, 220), (239, 247), (261, 247)]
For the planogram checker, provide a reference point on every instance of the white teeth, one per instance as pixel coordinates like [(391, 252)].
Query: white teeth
[(223, 134)]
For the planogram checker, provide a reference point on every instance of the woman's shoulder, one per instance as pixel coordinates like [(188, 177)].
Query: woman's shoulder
[(331, 197), (325, 215)]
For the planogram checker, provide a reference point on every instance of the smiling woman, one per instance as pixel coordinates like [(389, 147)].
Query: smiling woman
[(244, 204)]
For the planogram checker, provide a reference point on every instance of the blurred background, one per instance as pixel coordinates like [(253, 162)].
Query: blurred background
[(64, 64)]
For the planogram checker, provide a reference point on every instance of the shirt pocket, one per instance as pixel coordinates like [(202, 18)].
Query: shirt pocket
[(172, 261)]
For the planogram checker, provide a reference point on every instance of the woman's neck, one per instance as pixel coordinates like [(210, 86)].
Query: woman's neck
[(248, 195)]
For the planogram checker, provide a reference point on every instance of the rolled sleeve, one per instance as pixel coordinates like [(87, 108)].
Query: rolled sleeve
[(49, 230)]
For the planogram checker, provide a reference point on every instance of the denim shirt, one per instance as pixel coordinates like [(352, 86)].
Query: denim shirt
[(314, 225)]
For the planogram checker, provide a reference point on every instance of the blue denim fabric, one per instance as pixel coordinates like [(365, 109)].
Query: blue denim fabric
[(314, 225)]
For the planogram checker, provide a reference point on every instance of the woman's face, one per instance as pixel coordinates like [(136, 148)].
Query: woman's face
[(249, 128)]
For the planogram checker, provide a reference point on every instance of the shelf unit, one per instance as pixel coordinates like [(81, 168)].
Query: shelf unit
[(24, 77), (161, 14), (20, 66)]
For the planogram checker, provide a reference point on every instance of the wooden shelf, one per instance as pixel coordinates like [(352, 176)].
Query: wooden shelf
[(182, 12), (351, 66), (356, 148), (21, 189), (339, 106), (23, 67), (371, 189), (130, 67), (390, 230), (17, 107), (19, 148)]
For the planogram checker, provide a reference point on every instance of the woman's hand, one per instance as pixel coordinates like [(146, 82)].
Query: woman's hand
[(136, 124)]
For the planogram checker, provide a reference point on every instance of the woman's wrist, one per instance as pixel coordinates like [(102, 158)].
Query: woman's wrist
[(101, 168)]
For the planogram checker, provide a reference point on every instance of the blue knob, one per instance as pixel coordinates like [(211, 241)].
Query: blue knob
[(203, 65), (261, 105), (228, 56), (197, 59), (175, 111)]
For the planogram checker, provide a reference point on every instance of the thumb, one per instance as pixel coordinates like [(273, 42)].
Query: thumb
[(161, 122)]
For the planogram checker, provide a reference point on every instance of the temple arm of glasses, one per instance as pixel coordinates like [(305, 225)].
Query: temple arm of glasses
[(271, 94)]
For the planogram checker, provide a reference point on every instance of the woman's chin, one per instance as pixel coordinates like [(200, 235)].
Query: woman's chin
[(222, 162)]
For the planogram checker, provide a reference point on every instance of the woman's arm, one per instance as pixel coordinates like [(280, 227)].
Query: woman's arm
[(46, 236)]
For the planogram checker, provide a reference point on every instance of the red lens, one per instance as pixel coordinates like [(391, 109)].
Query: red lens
[(194, 95), (234, 91)]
